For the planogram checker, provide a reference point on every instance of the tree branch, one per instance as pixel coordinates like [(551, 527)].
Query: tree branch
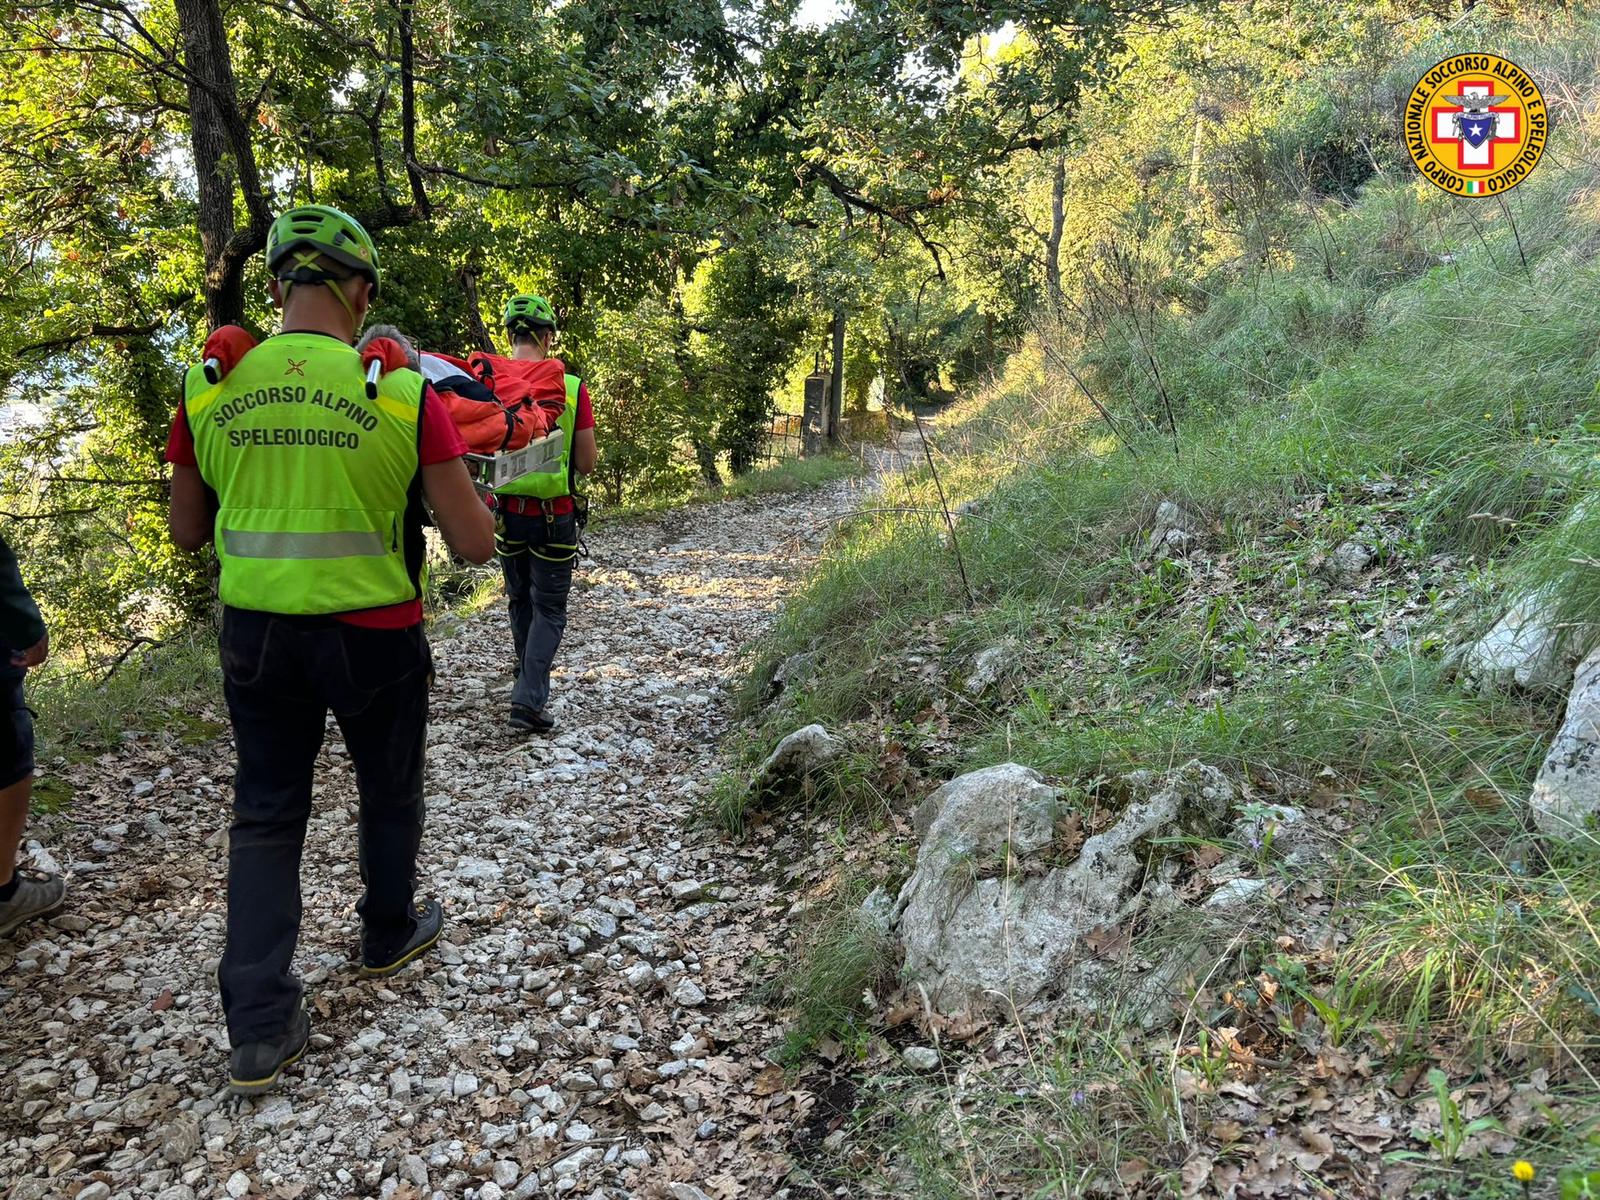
[(408, 112), (51, 345)]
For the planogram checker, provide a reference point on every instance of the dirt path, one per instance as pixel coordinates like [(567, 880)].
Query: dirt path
[(585, 1028)]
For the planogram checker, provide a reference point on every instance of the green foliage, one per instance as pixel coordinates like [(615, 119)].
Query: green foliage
[(696, 243), (1319, 384), (839, 957), (173, 688), (751, 330)]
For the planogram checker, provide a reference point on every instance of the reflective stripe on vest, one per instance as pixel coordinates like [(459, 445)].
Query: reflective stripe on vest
[(550, 478), (313, 479), (241, 543)]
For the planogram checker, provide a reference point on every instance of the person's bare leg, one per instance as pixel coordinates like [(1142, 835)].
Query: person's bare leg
[(14, 802), (23, 897)]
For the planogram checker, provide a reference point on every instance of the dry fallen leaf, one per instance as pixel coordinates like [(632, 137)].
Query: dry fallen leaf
[(769, 1081), (1366, 1135), (1226, 1132), (1132, 1171), (1196, 1173), (1108, 941)]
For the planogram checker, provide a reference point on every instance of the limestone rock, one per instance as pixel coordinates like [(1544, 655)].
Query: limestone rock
[(180, 1141), (991, 668), (1176, 531), (986, 915), (805, 752), (921, 1058), (1566, 794), (1525, 649), (793, 672), (1349, 561), (1236, 893), (689, 994), (878, 909)]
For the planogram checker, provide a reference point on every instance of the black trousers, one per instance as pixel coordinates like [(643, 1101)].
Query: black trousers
[(536, 558), (282, 675), (16, 728)]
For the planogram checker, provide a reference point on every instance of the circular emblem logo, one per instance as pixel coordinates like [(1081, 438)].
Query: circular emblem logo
[(1476, 124)]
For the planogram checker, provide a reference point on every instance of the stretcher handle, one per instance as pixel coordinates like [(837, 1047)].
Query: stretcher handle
[(374, 373)]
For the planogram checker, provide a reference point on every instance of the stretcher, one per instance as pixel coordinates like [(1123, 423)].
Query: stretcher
[(491, 471), (226, 346)]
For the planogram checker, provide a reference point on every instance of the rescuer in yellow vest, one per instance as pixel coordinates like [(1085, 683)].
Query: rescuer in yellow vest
[(313, 494), (538, 526)]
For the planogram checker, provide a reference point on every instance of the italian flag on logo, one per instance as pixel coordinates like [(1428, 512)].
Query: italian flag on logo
[(1474, 187)]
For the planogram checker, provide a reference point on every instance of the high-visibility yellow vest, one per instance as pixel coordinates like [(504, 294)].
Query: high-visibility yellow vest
[(313, 479), (551, 475)]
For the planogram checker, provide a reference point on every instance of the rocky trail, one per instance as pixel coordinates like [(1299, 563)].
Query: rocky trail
[(587, 1024)]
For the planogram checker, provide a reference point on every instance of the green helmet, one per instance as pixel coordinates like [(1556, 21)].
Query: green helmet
[(315, 229), (529, 312)]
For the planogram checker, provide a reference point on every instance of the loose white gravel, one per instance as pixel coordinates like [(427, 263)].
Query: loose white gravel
[(581, 1027)]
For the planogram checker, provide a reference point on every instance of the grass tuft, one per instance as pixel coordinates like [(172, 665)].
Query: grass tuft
[(839, 957)]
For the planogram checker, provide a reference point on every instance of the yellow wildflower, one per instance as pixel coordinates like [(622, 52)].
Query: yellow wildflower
[(1523, 1170)]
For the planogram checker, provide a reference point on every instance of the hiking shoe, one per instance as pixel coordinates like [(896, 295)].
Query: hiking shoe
[(525, 720), (429, 923), (255, 1066), (36, 896)]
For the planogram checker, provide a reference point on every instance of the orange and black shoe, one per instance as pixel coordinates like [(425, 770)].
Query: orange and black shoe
[(255, 1067), (424, 933)]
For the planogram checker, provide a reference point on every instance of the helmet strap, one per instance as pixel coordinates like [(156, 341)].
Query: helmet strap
[(306, 270)]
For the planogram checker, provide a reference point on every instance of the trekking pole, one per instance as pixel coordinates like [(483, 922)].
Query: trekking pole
[(374, 372)]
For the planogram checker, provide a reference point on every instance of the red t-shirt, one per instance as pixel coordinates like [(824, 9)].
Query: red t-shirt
[(585, 415), (437, 441)]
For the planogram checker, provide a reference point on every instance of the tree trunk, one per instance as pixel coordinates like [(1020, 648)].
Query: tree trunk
[(706, 458), (220, 137), (475, 326), (408, 111), (1058, 220), (1195, 144), (836, 384)]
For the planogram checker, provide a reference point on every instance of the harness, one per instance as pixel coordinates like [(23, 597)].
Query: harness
[(527, 506)]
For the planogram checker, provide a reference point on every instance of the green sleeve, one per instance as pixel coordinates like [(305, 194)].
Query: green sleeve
[(21, 626)]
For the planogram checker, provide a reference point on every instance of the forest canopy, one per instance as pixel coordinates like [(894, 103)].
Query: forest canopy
[(714, 196)]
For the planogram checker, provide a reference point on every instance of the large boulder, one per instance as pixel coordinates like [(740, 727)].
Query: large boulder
[(1525, 649), (992, 912), (1566, 794)]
